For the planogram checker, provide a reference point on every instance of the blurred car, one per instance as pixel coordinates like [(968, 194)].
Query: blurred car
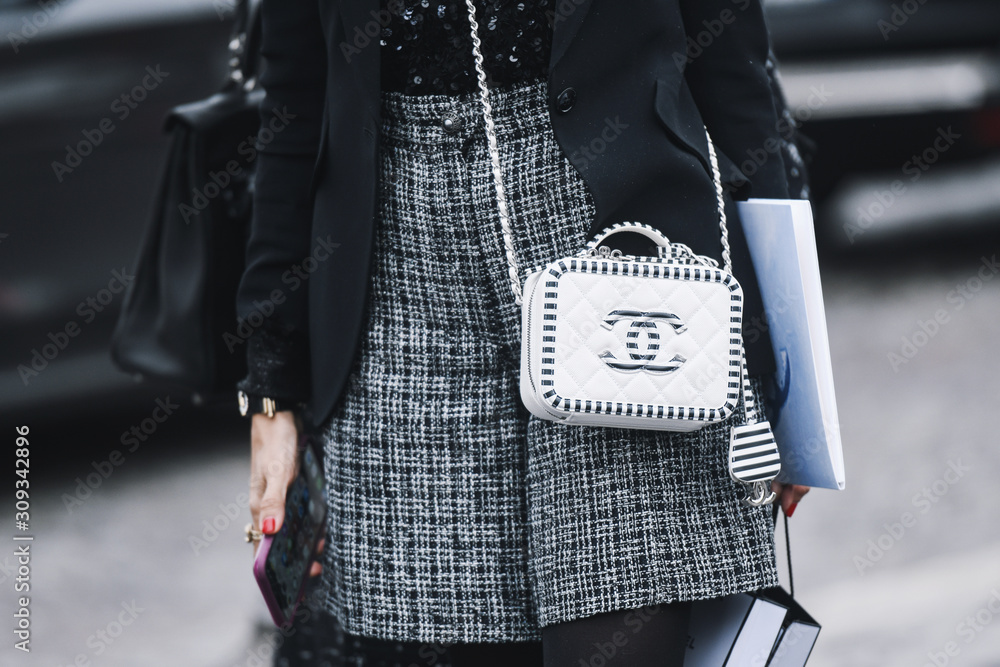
[(84, 88), (902, 99)]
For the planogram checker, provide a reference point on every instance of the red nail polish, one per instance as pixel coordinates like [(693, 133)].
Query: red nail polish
[(268, 525), (791, 510)]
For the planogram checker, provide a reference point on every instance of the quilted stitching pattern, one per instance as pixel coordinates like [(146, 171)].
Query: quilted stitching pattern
[(587, 290)]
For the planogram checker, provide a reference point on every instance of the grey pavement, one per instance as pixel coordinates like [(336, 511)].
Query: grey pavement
[(897, 563), (129, 546)]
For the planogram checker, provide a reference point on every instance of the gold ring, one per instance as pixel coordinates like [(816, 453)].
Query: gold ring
[(252, 534)]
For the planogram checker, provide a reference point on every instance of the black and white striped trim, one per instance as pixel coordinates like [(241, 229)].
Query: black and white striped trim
[(650, 270), (593, 243), (666, 251), (753, 453)]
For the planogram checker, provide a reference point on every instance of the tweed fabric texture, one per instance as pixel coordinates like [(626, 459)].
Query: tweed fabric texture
[(455, 515)]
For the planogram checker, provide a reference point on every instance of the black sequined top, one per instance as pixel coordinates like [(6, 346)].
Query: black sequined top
[(427, 46)]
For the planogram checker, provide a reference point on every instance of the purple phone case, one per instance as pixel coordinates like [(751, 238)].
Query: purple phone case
[(277, 615), (273, 606)]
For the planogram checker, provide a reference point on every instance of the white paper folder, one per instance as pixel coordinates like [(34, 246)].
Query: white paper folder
[(802, 406)]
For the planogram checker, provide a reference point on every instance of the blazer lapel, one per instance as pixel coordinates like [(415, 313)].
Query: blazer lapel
[(566, 22), (361, 18)]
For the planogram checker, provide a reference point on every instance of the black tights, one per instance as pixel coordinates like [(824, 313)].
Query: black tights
[(653, 636)]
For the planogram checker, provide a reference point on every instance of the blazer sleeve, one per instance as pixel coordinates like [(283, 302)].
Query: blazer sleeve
[(794, 145), (726, 71), (271, 301)]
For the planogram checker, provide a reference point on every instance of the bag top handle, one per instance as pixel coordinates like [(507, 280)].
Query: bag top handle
[(665, 248), (788, 547), (650, 232)]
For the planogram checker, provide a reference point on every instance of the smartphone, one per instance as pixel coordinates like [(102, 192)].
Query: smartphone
[(281, 566)]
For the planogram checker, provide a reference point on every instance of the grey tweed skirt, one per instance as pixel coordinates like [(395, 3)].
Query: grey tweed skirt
[(454, 514)]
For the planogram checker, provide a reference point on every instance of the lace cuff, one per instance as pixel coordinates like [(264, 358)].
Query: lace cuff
[(277, 366)]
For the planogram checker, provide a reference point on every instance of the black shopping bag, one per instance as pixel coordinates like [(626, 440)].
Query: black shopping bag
[(766, 628), (734, 631), (798, 633)]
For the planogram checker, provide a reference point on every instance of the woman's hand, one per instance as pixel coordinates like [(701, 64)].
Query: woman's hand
[(789, 495), (273, 466)]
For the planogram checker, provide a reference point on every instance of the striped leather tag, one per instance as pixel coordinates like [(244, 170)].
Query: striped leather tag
[(753, 454)]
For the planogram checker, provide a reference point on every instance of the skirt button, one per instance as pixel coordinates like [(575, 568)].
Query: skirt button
[(451, 123)]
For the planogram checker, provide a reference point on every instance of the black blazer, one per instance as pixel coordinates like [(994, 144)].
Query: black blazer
[(656, 69)]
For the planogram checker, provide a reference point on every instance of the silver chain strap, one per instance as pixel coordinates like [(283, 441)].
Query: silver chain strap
[(491, 135), (727, 263)]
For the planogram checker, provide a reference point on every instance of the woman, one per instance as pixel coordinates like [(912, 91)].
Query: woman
[(455, 517)]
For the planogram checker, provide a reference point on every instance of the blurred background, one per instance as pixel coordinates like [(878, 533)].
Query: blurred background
[(138, 556)]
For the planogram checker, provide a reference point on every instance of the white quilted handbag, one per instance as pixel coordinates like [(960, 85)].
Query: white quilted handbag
[(636, 342)]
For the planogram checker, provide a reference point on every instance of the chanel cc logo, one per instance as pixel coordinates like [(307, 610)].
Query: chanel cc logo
[(643, 322)]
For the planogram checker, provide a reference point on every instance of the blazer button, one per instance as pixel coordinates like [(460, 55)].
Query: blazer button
[(565, 100)]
